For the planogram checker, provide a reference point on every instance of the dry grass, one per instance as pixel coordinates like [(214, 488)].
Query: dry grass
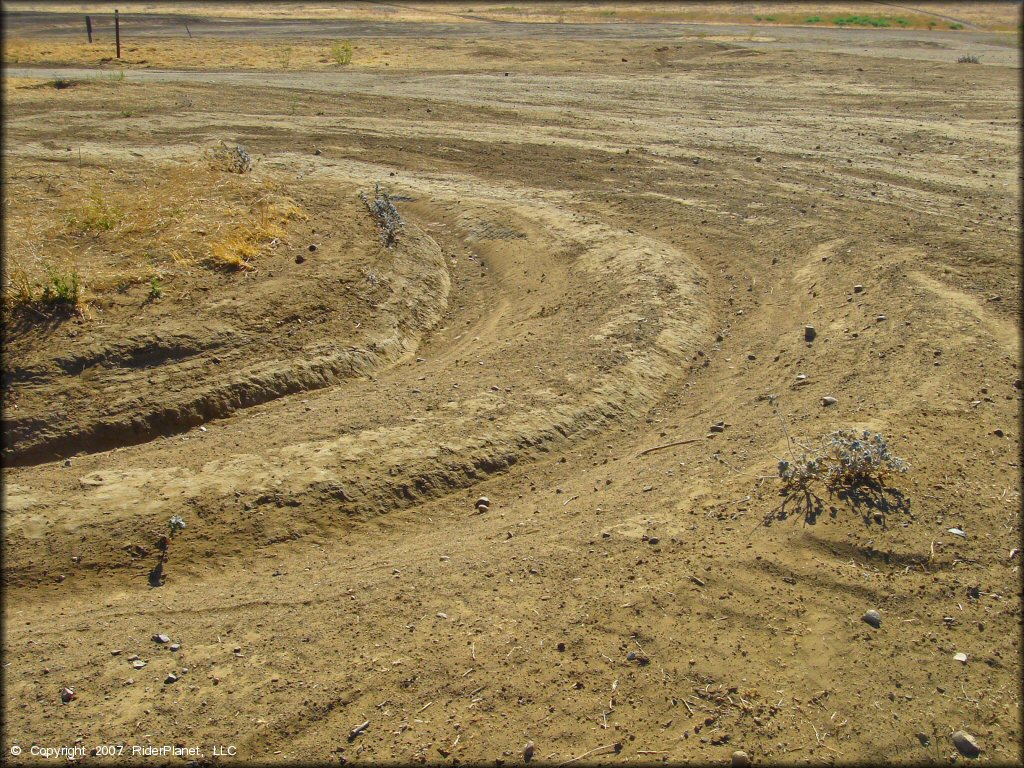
[(135, 225)]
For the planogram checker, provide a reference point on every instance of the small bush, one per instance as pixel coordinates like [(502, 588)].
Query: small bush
[(848, 459), (812, 20), (342, 53), (383, 211), (239, 161), (968, 60), (956, 25)]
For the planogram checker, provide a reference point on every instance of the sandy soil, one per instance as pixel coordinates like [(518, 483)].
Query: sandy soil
[(604, 254)]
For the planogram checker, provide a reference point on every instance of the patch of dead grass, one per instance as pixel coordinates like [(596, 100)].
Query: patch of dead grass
[(126, 228)]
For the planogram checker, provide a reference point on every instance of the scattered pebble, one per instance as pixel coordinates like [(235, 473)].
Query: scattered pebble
[(740, 759), (961, 657), (67, 462), (483, 503), (161, 639), (171, 678), (175, 646), (958, 532), (138, 664), (999, 433), (829, 400), (528, 751), (442, 615), (966, 744), (872, 617), (561, 647), (809, 333), (924, 739), (858, 288), (653, 540), (67, 694), (881, 319)]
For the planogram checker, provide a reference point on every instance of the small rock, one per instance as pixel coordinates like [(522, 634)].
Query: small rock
[(312, 247), (881, 319), (300, 259), (67, 462), (138, 664), (175, 646), (318, 151), (809, 333), (719, 427), (858, 288), (924, 739), (161, 639), (757, 159), (801, 377), (116, 652), (961, 657), (171, 678), (966, 744), (442, 615), (653, 540), (829, 400), (974, 593), (740, 759), (483, 503), (528, 751), (631, 656), (67, 694), (872, 617), (561, 647), (958, 532), (751, 357), (999, 433)]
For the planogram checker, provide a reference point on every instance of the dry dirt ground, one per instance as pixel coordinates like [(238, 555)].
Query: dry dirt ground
[(610, 245)]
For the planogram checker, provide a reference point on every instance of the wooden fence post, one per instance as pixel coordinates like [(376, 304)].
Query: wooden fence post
[(88, 28), (117, 32)]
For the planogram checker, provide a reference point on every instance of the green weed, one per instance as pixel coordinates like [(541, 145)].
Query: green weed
[(861, 21), (97, 215), (342, 53)]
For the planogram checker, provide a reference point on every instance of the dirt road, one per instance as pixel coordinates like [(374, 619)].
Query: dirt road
[(601, 257)]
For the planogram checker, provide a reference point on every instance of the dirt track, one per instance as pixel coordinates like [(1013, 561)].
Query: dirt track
[(601, 257)]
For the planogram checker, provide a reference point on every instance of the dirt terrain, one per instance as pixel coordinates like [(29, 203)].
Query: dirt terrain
[(594, 316)]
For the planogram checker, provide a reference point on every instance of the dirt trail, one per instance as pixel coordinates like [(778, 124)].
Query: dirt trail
[(595, 265)]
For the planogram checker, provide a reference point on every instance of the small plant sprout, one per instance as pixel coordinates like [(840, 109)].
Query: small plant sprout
[(155, 289), (175, 525)]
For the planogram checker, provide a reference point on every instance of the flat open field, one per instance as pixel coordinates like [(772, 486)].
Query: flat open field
[(614, 235)]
